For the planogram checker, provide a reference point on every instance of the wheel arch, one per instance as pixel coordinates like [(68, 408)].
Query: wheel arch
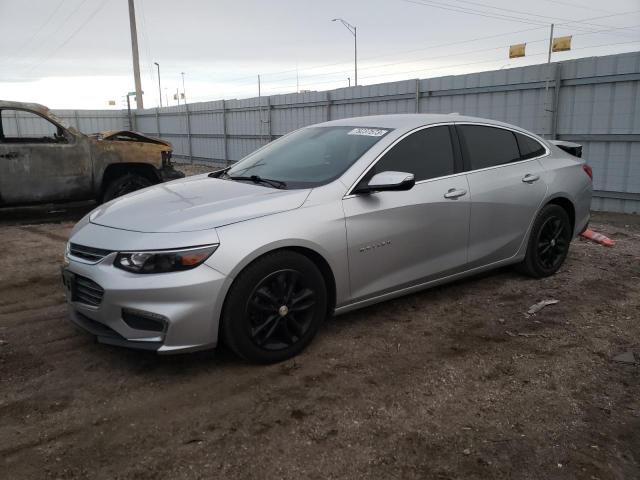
[(117, 170), (567, 205), (312, 254)]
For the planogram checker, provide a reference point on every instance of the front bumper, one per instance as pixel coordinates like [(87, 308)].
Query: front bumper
[(181, 309)]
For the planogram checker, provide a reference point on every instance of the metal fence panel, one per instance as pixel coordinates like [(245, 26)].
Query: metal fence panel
[(597, 100)]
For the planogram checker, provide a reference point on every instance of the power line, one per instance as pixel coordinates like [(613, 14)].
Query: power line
[(70, 37), (481, 13), (251, 78), (74, 11), (520, 12), (576, 5), (19, 50), (444, 67), (470, 11), (466, 52)]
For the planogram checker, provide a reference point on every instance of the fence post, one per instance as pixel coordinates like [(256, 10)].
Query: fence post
[(224, 133), (186, 111), (15, 115), (417, 95), (556, 101), (269, 132)]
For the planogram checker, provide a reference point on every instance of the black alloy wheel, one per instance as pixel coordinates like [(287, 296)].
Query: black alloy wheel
[(552, 243), (548, 243), (274, 307), (280, 309)]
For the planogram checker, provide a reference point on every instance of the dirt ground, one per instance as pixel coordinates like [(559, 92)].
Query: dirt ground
[(451, 383)]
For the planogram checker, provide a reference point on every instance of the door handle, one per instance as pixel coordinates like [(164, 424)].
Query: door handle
[(529, 178), (9, 155), (454, 193)]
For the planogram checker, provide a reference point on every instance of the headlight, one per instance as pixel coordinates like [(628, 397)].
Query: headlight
[(162, 261)]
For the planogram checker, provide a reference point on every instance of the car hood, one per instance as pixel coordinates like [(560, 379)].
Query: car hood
[(194, 203), (128, 136)]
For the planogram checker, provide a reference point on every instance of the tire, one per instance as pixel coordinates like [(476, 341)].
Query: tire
[(274, 308), (548, 243), (127, 183)]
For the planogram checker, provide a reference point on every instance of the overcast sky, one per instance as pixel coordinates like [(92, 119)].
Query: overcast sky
[(77, 53)]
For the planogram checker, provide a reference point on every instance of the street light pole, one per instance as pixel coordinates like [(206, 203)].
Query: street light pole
[(159, 88), (354, 32)]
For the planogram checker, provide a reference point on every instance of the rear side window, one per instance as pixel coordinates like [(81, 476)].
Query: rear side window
[(529, 148), (428, 153), (488, 146)]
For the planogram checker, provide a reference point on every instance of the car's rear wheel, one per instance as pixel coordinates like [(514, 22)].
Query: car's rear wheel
[(274, 307), (548, 242), (127, 183)]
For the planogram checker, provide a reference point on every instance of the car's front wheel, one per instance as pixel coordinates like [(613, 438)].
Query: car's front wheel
[(274, 307), (548, 242)]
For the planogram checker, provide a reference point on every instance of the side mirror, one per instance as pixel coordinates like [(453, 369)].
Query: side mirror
[(387, 182)]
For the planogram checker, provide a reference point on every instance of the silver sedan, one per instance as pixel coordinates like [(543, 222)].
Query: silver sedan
[(324, 220)]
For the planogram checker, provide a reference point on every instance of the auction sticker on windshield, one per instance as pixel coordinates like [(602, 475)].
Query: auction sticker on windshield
[(369, 132)]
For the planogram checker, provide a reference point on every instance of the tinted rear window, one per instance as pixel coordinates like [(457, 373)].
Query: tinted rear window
[(529, 148), (488, 146), (428, 153)]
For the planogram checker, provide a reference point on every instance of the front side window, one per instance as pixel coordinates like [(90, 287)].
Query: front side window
[(309, 157), (488, 146), (427, 153), (21, 126)]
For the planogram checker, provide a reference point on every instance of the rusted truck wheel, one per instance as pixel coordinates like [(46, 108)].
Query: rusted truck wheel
[(125, 184)]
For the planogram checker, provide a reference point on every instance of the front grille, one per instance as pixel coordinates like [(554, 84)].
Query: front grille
[(87, 291), (87, 253)]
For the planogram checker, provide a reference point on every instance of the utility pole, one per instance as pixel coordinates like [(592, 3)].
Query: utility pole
[(258, 86), (159, 88), (134, 51), (349, 80), (546, 83), (178, 95), (184, 92)]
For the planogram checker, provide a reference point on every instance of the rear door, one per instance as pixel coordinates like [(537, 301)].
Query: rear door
[(399, 238), (507, 188), (41, 161)]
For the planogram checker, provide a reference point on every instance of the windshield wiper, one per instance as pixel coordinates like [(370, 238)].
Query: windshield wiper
[(257, 179)]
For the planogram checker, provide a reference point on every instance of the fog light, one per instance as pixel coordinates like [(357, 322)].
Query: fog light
[(141, 320)]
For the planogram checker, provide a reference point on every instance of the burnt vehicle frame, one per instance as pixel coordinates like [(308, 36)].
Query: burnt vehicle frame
[(66, 165)]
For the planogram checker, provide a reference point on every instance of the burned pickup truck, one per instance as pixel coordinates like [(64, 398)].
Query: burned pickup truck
[(44, 160)]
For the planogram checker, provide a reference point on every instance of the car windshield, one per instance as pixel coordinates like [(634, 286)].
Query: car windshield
[(308, 157)]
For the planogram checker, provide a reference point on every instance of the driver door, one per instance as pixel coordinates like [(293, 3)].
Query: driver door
[(397, 239), (40, 161)]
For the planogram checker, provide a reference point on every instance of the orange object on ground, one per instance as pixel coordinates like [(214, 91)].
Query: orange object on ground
[(598, 238)]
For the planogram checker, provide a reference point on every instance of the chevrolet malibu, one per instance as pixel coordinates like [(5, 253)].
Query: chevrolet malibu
[(327, 219)]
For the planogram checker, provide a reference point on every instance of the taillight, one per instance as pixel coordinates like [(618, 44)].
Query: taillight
[(588, 170)]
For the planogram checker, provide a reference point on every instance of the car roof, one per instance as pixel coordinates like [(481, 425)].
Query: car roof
[(408, 121)]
